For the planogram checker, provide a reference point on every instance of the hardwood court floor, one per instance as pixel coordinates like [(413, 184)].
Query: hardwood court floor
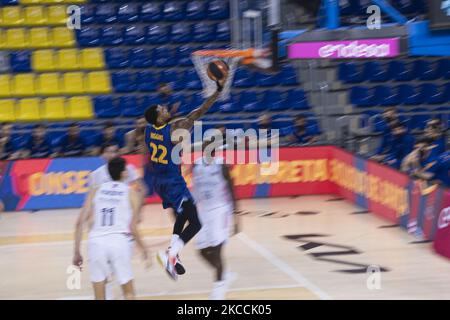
[(289, 248)]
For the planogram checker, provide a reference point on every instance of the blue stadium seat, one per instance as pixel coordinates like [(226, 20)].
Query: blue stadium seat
[(117, 58), (112, 36), (406, 6), (174, 11), (196, 10), (223, 31), (20, 61), (361, 97), (87, 14), (134, 35), (151, 12), (218, 10), (157, 34), (141, 57), (129, 106), (410, 95), (181, 32), (191, 80), (149, 100), (385, 96), (183, 55), (229, 106), (124, 81), (244, 78), (349, 7), (418, 121), (267, 79), (296, 99), (163, 57), (248, 100), (374, 71), (444, 65), (288, 76), (273, 100), (91, 137), (146, 81), (171, 77), (88, 37), (426, 70), (195, 101), (128, 13), (432, 93), (446, 91), (178, 97), (10, 2), (399, 71), (349, 72), (105, 107), (203, 32), (106, 13)]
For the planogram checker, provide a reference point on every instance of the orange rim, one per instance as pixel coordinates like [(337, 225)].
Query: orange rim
[(247, 54)]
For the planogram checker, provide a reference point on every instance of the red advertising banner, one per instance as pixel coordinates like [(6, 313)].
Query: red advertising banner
[(442, 237)]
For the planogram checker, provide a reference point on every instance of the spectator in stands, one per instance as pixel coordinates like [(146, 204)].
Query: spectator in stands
[(402, 144), (38, 145), (134, 139), (108, 136), (426, 163), (443, 169), (300, 133), (165, 96), (6, 146), (434, 130), (72, 145)]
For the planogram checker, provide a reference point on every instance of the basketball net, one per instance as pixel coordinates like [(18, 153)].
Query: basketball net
[(232, 58)]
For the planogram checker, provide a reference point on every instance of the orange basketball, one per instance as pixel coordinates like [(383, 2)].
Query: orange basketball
[(217, 70)]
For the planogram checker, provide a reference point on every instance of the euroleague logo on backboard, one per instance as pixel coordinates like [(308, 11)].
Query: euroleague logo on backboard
[(444, 218)]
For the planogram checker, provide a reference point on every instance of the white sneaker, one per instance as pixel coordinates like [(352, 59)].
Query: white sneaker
[(168, 263), (219, 290), (230, 277)]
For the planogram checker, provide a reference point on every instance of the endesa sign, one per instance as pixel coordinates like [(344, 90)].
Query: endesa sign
[(348, 49)]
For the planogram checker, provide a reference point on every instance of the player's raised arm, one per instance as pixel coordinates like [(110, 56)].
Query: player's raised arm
[(188, 121)]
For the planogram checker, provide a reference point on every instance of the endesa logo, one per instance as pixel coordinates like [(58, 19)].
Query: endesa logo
[(444, 218)]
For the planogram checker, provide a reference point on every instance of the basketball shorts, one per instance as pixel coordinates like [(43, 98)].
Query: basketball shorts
[(172, 190), (216, 227), (110, 253)]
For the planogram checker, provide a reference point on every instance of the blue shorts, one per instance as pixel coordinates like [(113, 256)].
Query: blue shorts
[(172, 190)]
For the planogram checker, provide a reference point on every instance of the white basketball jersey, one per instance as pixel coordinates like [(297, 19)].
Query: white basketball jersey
[(101, 175), (111, 209), (210, 187)]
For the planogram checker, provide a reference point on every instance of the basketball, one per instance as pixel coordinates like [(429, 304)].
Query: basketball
[(217, 70)]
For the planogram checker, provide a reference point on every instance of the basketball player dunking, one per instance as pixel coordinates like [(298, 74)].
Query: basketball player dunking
[(168, 181)]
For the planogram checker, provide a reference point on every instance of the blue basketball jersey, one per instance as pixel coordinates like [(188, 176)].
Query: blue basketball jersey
[(159, 144)]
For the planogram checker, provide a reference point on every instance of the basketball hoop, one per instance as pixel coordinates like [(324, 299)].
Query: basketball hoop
[(202, 58)]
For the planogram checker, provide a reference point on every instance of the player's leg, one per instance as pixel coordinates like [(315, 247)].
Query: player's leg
[(128, 290), (99, 290)]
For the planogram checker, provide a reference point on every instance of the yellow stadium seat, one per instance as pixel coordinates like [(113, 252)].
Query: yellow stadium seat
[(12, 16), (48, 84), (23, 85), (5, 85), (63, 37), (57, 15), (2, 39), (39, 38), (7, 110), (15, 38), (43, 60), (80, 108), (35, 15), (92, 58), (73, 83), (67, 59), (98, 82), (29, 109), (54, 109), (30, 1)]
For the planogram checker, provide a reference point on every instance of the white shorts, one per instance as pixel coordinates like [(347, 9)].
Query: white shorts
[(110, 253), (216, 227)]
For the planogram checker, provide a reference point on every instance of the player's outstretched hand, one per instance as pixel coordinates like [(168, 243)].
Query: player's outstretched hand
[(78, 260)]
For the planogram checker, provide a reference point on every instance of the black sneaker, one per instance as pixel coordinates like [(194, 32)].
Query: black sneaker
[(179, 267)]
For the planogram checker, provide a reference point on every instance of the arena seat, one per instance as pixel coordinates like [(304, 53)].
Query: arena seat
[(67, 59), (223, 31), (12, 16), (117, 58), (89, 37), (5, 85), (249, 101), (196, 10), (48, 84), (151, 12), (53, 109), (267, 79), (16, 38), (28, 109), (183, 55), (410, 95), (98, 82), (62, 37), (400, 71), (73, 83), (43, 60), (385, 96), (128, 13), (92, 58), (296, 99), (174, 11), (79, 108), (191, 80), (87, 14), (171, 77), (244, 78), (36, 16), (124, 81), (129, 106), (374, 71), (361, 96), (157, 34), (134, 35), (273, 100), (56, 15), (105, 13), (141, 57), (349, 73), (432, 93), (111, 36), (181, 32), (20, 61), (105, 107), (288, 76), (203, 32), (7, 110), (218, 10), (23, 85), (146, 81), (163, 57)]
